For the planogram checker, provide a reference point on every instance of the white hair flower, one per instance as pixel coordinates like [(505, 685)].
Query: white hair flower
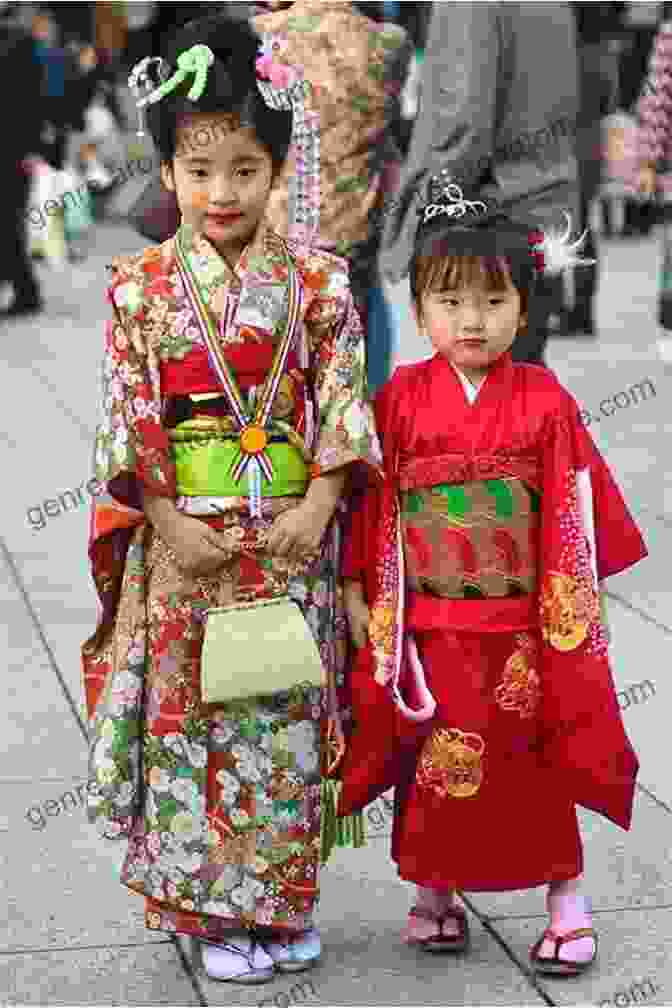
[(560, 252)]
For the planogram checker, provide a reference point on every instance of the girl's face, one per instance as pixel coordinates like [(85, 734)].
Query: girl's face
[(473, 325), (222, 178)]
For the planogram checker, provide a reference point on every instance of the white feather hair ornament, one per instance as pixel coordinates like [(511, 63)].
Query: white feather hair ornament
[(555, 252)]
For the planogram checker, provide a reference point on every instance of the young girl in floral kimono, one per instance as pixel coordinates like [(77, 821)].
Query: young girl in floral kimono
[(482, 689), (220, 804)]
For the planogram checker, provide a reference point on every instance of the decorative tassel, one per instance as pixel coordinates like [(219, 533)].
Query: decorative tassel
[(346, 831)]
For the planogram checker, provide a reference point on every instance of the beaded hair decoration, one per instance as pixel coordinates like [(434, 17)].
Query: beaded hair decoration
[(552, 251), (280, 85)]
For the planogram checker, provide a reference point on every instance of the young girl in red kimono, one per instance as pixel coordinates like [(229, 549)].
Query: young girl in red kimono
[(482, 687)]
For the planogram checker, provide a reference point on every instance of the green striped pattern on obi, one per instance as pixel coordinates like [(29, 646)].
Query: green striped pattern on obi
[(472, 540)]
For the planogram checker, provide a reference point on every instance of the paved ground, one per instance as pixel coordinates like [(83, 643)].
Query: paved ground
[(71, 934)]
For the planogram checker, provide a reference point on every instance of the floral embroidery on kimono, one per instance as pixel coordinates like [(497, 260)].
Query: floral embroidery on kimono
[(220, 804)]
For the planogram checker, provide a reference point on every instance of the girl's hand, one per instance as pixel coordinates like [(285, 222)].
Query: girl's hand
[(297, 534), (199, 549), (358, 613)]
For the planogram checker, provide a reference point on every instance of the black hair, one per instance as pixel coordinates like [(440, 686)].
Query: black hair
[(231, 88), (492, 238)]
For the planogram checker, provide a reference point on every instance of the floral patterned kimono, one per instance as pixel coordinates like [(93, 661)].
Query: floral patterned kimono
[(220, 804)]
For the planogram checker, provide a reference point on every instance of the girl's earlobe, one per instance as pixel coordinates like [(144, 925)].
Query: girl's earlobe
[(167, 179)]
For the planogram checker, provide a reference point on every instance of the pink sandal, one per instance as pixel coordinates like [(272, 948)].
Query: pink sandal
[(554, 965), (440, 942)]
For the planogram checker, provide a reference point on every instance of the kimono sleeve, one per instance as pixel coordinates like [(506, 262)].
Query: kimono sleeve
[(346, 430), (610, 528), (132, 449), (364, 513)]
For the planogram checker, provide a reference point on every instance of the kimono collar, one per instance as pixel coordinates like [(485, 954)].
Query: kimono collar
[(210, 266), (471, 388), (502, 367), (262, 262)]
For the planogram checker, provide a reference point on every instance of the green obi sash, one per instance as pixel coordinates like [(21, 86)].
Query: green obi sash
[(204, 458), (472, 540)]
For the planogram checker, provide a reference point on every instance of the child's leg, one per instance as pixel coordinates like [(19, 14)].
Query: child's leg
[(568, 911), (436, 901)]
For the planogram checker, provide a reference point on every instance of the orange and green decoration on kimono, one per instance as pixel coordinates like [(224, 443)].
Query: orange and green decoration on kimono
[(252, 455)]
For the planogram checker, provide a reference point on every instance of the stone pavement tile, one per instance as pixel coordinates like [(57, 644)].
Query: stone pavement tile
[(45, 518), (633, 950), (365, 962), (648, 586), (63, 598), (640, 653), (142, 975), (59, 882), (34, 704), (61, 349)]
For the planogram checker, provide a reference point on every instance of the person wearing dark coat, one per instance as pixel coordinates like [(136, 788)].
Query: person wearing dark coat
[(19, 74), (597, 24), (498, 107)]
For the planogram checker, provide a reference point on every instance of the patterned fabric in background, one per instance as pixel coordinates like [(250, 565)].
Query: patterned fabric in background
[(654, 110), (356, 67)]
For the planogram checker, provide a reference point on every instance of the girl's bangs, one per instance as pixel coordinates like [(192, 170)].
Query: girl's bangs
[(454, 272)]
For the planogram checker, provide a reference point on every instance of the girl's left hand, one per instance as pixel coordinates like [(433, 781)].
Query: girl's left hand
[(298, 533)]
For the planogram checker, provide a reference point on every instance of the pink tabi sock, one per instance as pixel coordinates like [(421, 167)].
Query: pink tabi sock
[(568, 911)]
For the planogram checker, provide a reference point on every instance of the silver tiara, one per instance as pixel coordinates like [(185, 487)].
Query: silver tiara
[(453, 202)]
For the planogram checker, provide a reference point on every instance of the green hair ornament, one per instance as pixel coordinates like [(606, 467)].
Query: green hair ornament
[(192, 62)]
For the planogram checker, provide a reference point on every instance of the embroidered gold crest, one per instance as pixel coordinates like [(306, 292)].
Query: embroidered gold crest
[(520, 688), (450, 763), (567, 610)]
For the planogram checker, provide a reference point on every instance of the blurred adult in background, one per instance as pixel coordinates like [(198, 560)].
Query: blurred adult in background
[(140, 17), (414, 18), (497, 108), (54, 70), (111, 31), (640, 22), (597, 26), (19, 75), (75, 21)]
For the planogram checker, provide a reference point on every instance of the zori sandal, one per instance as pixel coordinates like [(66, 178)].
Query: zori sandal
[(241, 960), (439, 942), (554, 965), (295, 954)]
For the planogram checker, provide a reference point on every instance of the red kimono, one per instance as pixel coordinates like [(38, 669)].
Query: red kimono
[(485, 694)]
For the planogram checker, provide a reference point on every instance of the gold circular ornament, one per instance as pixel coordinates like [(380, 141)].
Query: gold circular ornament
[(566, 612), (450, 763), (253, 439)]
